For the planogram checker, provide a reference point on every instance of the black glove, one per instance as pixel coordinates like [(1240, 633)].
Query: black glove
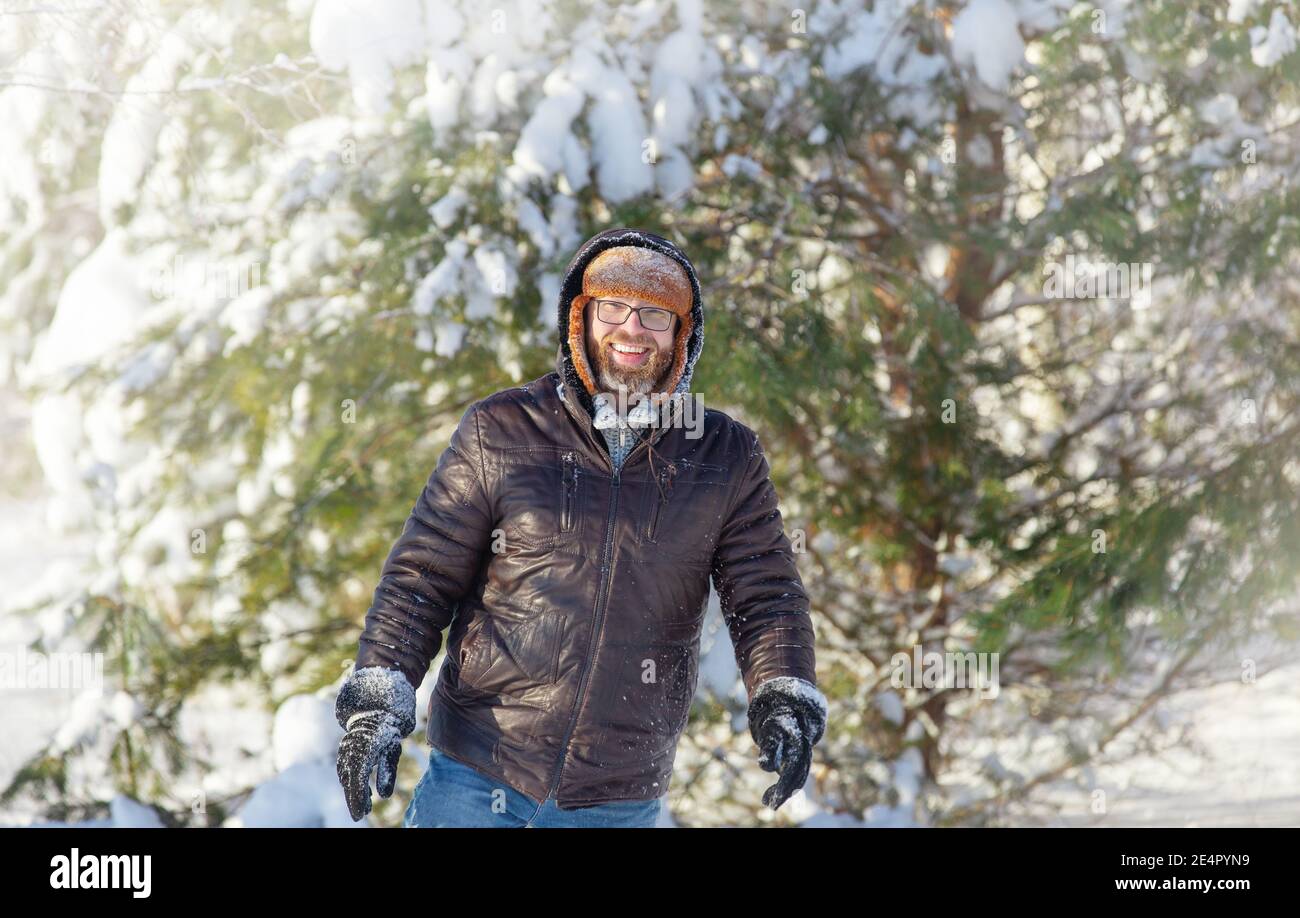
[(376, 708), (787, 717)]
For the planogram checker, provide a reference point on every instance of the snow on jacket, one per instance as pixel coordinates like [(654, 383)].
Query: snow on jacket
[(574, 591)]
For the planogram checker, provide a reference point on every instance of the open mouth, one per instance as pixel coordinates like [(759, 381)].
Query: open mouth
[(630, 355)]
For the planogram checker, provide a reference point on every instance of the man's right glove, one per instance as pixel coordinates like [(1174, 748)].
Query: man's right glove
[(376, 709), (787, 717)]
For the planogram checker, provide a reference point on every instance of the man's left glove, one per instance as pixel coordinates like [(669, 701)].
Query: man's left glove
[(376, 708), (787, 717)]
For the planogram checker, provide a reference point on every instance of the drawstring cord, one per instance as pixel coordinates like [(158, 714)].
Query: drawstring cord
[(671, 468)]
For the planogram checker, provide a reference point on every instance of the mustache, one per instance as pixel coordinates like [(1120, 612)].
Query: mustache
[(646, 342)]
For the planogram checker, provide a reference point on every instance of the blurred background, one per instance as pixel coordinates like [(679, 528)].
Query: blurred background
[(1006, 287)]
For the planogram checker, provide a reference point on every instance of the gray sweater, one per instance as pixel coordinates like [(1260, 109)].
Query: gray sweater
[(620, 441)]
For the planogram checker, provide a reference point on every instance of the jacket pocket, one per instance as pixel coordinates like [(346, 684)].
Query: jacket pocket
[(661, 494), (514, 648), (474, 651), (680, 512), (657, 688), (541, 497), (680, 691)]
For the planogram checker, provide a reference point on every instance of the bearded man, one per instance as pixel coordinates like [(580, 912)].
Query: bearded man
[(568, 541)]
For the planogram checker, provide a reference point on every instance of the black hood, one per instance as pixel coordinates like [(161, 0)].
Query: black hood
[(571, 286)]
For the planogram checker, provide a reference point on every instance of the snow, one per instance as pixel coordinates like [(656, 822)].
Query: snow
[(444, 83), (304, 730), (1240, 10), (304, 792), (541, 150), (125, 813), (131, 139), (1220, 111), (534, 223), (615, 121), (875, 40), (719, 676), (377, 688), (305, 795), (443, 280), (446, 209), (1269, 45), (368, 41), (682, 62), (100, 308), (161, 550), (734, 164), (497, 274), (90, 712), (449, 335), (862, 42), (1248, 737), (891, 706), (986, 39), (905, 779), (245, 316), (618, 131), (801, 689)]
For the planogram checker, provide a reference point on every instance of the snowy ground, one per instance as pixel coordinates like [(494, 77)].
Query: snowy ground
[(1250, 732), (1250, 778)]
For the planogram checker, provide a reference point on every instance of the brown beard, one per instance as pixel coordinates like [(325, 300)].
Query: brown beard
[(643, 379)]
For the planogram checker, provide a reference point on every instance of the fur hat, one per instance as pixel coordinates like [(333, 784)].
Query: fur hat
[(638, 272)]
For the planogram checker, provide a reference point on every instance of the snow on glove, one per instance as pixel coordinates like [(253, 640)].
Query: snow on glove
[(787, 717), (376, 708)]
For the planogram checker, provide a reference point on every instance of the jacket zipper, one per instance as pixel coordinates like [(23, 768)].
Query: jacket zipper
[(570, 491), (602, 597), (597, 622)]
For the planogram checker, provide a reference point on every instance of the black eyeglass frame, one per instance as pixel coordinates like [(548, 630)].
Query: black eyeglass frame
[(637, 310)]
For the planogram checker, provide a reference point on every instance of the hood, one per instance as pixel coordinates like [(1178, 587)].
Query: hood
[(689, 343)]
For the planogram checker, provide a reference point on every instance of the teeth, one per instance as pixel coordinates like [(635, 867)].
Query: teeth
[(624, 349)]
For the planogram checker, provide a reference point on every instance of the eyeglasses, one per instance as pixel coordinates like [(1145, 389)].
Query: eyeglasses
[(652, 318)]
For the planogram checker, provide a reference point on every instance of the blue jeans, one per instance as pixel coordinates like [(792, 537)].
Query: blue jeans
[(451, 795)]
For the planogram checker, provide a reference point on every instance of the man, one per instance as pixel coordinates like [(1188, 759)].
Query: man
[(573, 571)]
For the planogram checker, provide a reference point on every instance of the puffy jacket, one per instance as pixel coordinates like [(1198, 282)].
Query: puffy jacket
[(574, 592)]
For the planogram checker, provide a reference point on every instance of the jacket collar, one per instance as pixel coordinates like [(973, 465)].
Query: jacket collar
[(670, 411)]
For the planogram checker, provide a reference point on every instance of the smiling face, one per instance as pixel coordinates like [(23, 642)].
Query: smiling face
[(628, 354)]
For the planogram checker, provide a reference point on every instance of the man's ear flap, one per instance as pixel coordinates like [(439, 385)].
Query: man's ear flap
[(578, 342)]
